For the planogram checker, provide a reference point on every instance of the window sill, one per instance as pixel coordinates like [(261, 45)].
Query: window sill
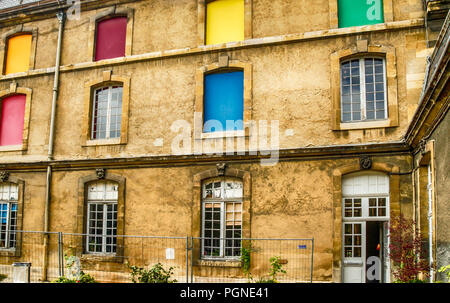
[(99, 142), (223, 134), (8, 252), (11, 148), (219, 263), (365, 125), (86, 257)]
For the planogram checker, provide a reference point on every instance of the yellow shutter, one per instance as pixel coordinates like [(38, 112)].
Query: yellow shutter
[(224, 21), (18, 56)]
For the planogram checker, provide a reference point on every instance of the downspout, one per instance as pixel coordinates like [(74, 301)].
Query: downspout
[(430, 224), (61, 18)]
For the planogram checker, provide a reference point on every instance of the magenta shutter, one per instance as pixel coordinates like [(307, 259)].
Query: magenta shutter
[(12, 119), (111, 36)]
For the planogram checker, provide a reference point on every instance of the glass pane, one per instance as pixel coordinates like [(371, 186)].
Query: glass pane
[(348, 252), (348, 229), (356, 116), (357, 240), (357, 229), (372, 202), (357, 252), (348, 240)]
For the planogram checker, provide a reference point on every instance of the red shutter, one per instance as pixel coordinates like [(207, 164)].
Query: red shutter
[(111, 36), (12, 119)]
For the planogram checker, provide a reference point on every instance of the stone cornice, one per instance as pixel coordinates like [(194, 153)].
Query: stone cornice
[(296, 154)]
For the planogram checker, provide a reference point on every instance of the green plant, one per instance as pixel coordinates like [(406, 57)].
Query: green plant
[(276, 268), (406, 251), (84, 278), (446, 270), (245, 260), (77, 276), (2, 277), (156, 274)]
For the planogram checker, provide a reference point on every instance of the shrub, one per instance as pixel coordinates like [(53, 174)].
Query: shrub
[(84, 278), (276, 268), (406, 251), (75, 274), (2, 277), (156, 274)]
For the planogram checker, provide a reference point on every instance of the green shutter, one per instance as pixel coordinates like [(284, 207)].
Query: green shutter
[(360, 12)]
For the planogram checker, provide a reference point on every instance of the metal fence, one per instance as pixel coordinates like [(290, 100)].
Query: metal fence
[(254, 260), (257, 261)]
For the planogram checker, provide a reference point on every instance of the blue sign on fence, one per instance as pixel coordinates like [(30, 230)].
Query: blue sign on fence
[(302, 247)]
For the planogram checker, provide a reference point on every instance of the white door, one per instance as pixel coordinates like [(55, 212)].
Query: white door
[(354, 238), (365, 201)]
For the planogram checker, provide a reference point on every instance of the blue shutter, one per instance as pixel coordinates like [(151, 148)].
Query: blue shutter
[(224, 99)]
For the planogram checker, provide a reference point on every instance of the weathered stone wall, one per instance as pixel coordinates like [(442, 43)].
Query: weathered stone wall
[(442, 194)]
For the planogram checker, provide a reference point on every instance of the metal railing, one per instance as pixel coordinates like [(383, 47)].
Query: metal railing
[(254, 260)]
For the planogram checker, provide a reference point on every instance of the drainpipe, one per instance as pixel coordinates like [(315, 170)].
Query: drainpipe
[(430, 224), (61, 18)]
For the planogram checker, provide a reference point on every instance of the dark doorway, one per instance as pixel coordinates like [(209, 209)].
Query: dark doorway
[(374, 247)]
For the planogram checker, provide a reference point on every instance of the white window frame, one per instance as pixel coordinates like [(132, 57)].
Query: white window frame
[(365, 208), (104, 235), (108, 113), (223, 202), (9, 202), (363, 94)]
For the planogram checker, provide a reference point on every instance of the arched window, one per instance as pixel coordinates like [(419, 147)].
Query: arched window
[(107, 112), (111, 38), (221, 218), (363, 89), (224, 21), (9, 195), (18, 53), (12, 119), (102, 197), (224, 101)]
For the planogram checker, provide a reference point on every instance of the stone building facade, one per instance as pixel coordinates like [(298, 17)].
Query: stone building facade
[(157, 165)]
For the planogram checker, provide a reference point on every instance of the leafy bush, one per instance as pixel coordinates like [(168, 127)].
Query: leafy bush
[(2, 277), (75, 274), (156, 274), (84, 278), (245, 260), (406, 251), (276, 268)]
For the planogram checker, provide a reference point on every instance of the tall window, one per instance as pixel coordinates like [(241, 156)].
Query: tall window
[(18, 54), (224, 101), (363, 90), (9, 194), (111, 38), (222, 219), (360, 12), (107, 112), (224, 21), (12, 120), (102, 217)]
